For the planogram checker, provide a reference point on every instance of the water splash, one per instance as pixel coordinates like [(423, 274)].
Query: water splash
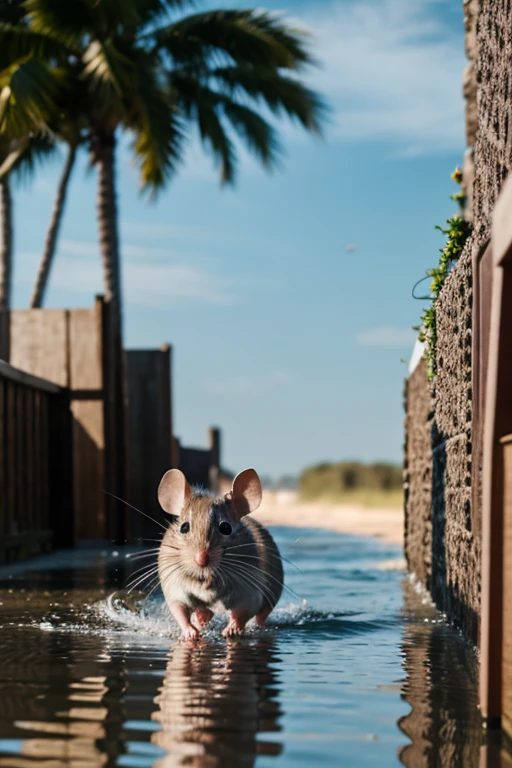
[(151, 616)]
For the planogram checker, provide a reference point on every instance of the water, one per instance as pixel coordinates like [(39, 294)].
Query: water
[(355, 669)]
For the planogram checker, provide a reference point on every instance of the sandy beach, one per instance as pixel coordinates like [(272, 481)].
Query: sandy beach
[(283, 508)]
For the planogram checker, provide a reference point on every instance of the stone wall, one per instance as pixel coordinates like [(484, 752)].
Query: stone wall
[(455, 521), (443, 541), (418, 474)]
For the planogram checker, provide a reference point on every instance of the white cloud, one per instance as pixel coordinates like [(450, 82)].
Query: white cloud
[(148, 279), (242, 385), (392, 70), (386, 336)]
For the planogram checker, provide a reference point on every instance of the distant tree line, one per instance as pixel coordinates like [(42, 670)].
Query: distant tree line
[(348, 477)]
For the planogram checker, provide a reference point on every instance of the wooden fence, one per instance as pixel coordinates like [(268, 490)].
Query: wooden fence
[(118, 440), (74, 350), (36, 504), (493, 371), (149, 431)]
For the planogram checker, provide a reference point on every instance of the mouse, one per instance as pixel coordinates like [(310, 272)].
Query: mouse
[(214, 557)]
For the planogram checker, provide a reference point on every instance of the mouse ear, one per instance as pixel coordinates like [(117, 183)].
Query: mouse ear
[(246, 492), (173, 492)]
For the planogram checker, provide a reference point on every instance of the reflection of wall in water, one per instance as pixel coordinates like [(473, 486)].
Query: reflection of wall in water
[(441, 686), (213, 703)]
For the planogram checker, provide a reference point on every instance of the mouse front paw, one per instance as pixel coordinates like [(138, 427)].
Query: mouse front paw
[(232, 630), (190, 633), (236, 625)]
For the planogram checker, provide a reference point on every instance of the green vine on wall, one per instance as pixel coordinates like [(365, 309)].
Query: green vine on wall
[(457, 231)]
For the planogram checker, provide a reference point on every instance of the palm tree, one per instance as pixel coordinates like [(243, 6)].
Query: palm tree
[(5, 243), (156, 73), (70, 126), (28, 87), (50, 246), (18, 159)]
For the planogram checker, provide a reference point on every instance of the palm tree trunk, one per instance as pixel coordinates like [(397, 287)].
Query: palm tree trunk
[(114, 372), (47, 258), (6, 241), (108, 224)]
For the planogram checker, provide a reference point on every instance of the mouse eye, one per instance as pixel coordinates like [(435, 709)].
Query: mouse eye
[(185, 528), (225, 528)]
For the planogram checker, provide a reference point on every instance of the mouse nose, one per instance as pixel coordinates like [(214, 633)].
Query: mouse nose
[(201, 557)]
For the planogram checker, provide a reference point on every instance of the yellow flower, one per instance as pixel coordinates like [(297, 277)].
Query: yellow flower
[(457, 175)]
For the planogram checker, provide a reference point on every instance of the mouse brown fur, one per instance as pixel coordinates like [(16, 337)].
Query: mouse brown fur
[(214, 557)]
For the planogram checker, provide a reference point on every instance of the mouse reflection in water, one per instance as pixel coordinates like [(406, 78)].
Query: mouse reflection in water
[(213, 703)]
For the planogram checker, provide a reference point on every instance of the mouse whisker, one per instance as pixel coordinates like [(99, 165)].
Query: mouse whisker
[(146, 567), (265, 592), (157, 541), (140, 555), (154, 581), (165, 575), (240, 561), (153, 588), (256, 582), (136, 510), (140, 579), (267, 554)]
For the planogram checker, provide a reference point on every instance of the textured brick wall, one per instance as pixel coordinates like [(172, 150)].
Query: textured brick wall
[(455, 534), (443, 542), (418, 474)]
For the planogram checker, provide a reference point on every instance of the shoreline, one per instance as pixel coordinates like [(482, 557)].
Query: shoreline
[(284, 509)]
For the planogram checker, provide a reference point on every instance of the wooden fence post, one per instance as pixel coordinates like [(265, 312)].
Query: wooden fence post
[(60, 467), (214, 471), (496, 618)]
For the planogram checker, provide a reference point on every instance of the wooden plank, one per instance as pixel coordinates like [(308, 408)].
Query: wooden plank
[(39, 343), (3, 477), (11, 456), (88, 470), (115, 416), (214, 470), (39, 447), (43, 457), (502, 224), (10, 373), (497, 424), (85, 363), (30, 460), (5, 335), (507, 584), (86, 374), (149, 434), (61, 517)]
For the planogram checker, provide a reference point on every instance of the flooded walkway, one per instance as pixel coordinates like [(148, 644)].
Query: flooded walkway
[(354, 670)]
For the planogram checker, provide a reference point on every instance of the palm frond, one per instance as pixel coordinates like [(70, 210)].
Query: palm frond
[(279, 92), (158, 130), (247, 36), (17, 42), (199, 103), (25, 154), (40, 149), (65, 20), (29, 91), (11, 154), (257, 133), (153, 11), (215, 138), (107, 71)]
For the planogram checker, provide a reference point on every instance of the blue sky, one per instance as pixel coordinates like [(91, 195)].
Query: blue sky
[(284, 337)]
